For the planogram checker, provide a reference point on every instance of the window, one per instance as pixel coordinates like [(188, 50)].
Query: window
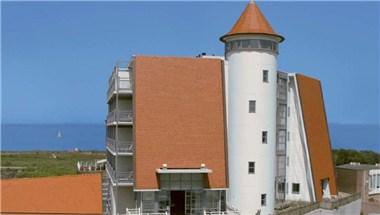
[(263, 199), (281, 187), (266, 44), (281, 136), (265, 76), (251, 167), (264, 137), (288, 136), (245, 43), (295, 188), (252, 106), (252, 44)]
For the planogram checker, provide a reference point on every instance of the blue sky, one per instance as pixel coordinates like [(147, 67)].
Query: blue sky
[(57, 56)]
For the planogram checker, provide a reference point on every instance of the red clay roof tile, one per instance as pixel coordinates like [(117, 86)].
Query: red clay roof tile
[(252, 21), (179, 118), (72, 194)]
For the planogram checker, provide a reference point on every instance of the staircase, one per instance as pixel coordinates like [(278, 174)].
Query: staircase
[(106, 195)]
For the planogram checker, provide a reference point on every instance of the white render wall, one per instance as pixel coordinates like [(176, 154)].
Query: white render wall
[(245, 82), (297, 160)]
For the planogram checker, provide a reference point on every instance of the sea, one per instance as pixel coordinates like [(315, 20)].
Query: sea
[(67, 137), (46, 137)]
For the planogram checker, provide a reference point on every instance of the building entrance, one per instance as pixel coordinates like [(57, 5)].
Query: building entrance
[(177, 199)]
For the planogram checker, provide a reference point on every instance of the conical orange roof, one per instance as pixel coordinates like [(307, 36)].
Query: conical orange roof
[(252, 21)]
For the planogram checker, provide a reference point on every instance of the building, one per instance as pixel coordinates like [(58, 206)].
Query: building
[(361, 178), (355, 177), (205, 134), (70, 194)]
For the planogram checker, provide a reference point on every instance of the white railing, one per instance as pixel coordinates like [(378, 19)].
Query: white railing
[(120, 176), (232, 210), (213, 212), (120, 146), (89, 166), (138, 211), (120, 116)]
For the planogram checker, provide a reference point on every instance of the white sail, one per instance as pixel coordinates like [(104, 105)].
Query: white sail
[(59, 135)]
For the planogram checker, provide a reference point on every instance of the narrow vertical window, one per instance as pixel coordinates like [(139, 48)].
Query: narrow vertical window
[(252, 106), (264, 137), (251, 167), (263, 199), (265, 76)]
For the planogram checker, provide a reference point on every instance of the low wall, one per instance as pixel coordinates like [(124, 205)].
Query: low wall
[(347, 205)]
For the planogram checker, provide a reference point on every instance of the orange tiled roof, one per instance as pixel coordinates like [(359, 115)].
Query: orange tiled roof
[(73, 194), (317, 133), (187, 126), (252, 21)]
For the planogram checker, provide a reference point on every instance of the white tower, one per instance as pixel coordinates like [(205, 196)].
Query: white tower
[(251, 49)]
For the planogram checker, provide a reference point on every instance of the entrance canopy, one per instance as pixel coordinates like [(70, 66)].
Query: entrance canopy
[(183, 179), (173, 171)]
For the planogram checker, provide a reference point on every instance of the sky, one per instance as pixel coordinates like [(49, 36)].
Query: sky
[(57, 56)]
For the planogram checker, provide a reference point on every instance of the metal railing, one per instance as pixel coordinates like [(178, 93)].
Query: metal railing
[(120, 176), (213, 212), (232, 210), (119, 81), (138, 211), (90, 166), (120, 116), (120, 146)]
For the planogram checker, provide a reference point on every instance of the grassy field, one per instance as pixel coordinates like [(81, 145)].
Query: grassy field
[(39, 164)]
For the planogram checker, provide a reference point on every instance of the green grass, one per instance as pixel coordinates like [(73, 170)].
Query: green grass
[(40, 164)]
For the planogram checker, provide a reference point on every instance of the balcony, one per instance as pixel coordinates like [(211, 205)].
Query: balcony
[(120, 117), (121, 178), (120, 82), (120, 147)]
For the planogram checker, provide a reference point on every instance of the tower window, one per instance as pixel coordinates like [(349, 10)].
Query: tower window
[(251, 167), (245, 43), (264, 137), (295, 188), (252, 106), (263, 199), (265, 76)]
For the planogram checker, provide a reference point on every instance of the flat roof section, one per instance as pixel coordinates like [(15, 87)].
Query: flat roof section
[(357, 166)]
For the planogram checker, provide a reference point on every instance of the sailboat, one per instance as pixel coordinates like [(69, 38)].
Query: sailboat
[(59, 135)]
